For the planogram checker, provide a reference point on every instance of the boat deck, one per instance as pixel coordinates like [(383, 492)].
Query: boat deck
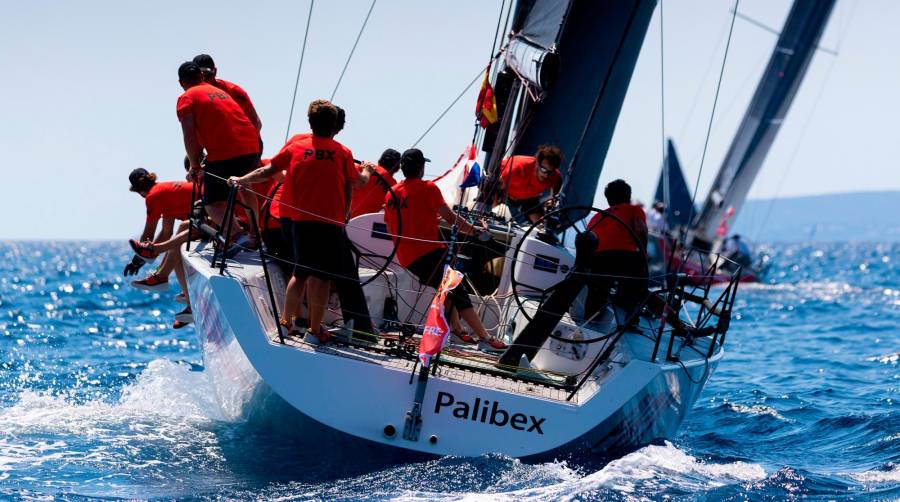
[(458, 363), (465, 369)]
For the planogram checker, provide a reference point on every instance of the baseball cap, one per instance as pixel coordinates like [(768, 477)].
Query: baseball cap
[(413, 156), (205, 62), (188, 71), (136, 177), (389, 158)]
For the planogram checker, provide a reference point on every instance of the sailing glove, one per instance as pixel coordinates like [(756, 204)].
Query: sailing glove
[(133, 267)]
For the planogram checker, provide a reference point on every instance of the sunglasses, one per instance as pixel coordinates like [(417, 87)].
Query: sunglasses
[(545, 170)]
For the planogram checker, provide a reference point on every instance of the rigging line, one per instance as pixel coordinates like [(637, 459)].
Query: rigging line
[(775, 32), (497, 31), (662, 119), (508, 16), (600, 94), (451, 105), (299, 67), (709, 67), (712, 116), (844, 26), (797, 145), (353, 50)]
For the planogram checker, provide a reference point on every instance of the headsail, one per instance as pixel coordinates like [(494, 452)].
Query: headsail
[(774, 94), (597, 47), (678, 205)]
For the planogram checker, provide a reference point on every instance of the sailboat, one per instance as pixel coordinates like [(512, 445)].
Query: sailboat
[(602, 385), (709, 227)]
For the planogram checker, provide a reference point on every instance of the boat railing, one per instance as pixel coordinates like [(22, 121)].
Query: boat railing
[(705, 296), (223, 237), (708, 312)]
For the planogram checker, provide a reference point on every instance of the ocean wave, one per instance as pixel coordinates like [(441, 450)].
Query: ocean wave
[(652, 469), (878, 476), (891, 358), (164, 389), (160, 421), (757, 409)]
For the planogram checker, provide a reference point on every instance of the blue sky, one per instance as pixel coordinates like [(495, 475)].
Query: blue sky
[(89, 92)]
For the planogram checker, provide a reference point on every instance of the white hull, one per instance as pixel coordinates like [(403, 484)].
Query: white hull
[(346, 393)]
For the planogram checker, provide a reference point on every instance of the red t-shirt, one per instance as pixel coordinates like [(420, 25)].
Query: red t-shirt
[(237, 93), (519, 175), (612, 235), (169, 199), (369, 198), (318, 169), (419, 202), (222, 127)]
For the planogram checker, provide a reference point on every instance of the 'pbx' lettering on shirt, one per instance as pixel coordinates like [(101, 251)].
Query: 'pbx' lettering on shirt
[(216, 95), (319, 154)]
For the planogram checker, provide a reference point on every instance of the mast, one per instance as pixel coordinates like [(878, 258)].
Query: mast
[(771, 101), (577, 59)]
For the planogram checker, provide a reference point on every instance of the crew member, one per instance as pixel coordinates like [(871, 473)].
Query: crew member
[(168, 201), (420, 250), (619, 256), (737, 251), (370, 197), (656, 219), (524, 178), (319, 176), (211, 119), (237, 93)]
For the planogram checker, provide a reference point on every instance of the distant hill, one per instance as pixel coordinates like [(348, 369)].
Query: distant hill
[(858, 216)]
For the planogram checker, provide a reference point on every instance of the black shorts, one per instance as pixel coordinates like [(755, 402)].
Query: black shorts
[(317, 248), (215, 188), (429, 269), (526, 207)]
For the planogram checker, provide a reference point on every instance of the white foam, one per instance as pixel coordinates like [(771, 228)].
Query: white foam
[(651, 469), (879, 476), (163, 389), (167, 404), (885, 359), (757, 409)]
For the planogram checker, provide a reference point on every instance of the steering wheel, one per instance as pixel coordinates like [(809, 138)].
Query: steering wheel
[(563, 223), (370, 256)]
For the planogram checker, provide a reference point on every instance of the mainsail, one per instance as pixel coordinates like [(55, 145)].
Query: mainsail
[(580, 56), (678, 202), (774, 94)]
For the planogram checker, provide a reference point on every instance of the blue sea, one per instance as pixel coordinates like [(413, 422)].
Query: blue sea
[(100, 397)]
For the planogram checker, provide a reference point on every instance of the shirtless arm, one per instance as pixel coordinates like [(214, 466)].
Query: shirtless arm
[(149, 229), (348, 195), (168, 226), (452, 218), (259, 174), (364, 175)]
